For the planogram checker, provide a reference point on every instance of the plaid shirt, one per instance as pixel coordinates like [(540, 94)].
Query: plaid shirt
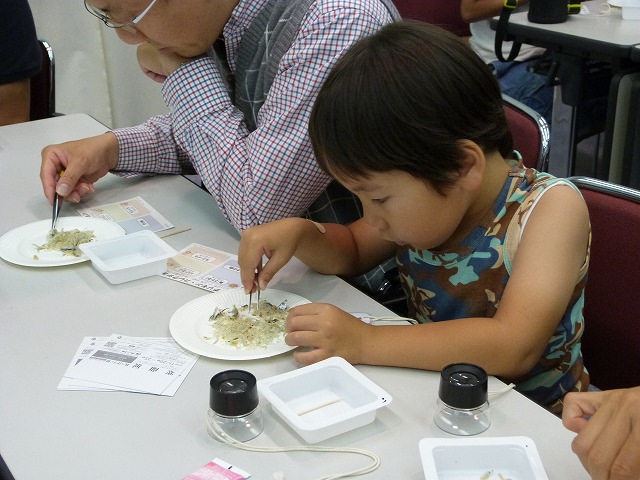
[(271, 172)]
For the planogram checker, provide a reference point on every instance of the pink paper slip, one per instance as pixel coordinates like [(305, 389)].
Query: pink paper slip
[(218, 470)]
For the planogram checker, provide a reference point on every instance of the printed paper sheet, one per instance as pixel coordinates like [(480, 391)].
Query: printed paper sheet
[(204, 267), (133, 215), (156, 365)]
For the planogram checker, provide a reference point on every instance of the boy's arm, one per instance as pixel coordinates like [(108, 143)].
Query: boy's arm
[(326, 248), (545, 271), (345, 250)]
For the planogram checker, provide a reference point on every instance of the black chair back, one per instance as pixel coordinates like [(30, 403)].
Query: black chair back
[(43, 92)]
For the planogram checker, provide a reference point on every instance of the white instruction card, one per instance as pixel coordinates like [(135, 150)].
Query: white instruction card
[(155, 365), (204, 267), (133, 215)]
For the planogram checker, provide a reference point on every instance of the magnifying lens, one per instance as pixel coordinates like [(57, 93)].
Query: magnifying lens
[(462, 400), (234, 408)]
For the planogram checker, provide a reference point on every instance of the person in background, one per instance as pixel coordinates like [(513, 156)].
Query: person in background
[(20, 59), (517, 78), (239, 78), (608, 428), (467, 228)]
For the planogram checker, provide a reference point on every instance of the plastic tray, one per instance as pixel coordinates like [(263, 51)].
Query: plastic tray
[(325, 399)]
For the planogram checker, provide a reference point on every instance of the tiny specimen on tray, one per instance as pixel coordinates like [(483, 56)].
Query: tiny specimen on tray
[(246, 328), (487, 475), (67, 241)]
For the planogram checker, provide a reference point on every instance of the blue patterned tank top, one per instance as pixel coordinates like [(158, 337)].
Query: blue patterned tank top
[(469, 282)]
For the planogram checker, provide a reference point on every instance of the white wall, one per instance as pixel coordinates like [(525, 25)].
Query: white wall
[(96, 73)]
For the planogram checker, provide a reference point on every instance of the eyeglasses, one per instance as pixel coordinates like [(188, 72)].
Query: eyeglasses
[(109, 22)]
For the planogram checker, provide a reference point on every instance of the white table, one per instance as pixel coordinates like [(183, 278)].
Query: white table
[(45, 312)]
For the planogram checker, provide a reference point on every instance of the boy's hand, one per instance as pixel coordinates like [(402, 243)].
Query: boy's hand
[(277, 241), (325, 331)]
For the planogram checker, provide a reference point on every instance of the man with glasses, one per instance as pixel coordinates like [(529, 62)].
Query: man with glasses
[(111, 23), (239, 78)]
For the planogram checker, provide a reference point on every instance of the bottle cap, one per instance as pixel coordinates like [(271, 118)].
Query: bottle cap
[(463, 385), (233, 393)]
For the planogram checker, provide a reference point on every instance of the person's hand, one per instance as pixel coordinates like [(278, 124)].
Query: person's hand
[(277, 241), (83, 161), (158, 64), (325, 331), (608, 443)]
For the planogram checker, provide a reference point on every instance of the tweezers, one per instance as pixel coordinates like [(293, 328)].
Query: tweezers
[(257, 309), (57, 205), (258, 283), (258, 286)]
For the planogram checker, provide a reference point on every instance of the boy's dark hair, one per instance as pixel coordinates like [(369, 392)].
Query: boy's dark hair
[(402, 99)]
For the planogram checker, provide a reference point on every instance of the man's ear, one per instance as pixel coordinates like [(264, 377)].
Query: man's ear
[(472, 165)]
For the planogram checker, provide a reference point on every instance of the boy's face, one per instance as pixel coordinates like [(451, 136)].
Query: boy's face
[(184, 27), (407, 210)]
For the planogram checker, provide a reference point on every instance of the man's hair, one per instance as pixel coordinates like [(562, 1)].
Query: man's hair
[(403, 99)]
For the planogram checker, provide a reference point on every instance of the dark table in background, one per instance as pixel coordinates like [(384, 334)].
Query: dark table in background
[(598, 60)]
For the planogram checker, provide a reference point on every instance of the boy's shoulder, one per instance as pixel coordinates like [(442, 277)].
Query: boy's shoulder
[(529, 190), (528, 184)]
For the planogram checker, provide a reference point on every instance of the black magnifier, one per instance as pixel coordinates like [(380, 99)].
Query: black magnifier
[(462, 400), (234, 408)]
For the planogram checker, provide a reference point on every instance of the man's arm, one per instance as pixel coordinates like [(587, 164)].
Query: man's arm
[(19, 60), (15, 102), (268, 173)]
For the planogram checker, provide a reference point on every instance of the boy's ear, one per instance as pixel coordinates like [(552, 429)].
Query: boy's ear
[(472, 165)]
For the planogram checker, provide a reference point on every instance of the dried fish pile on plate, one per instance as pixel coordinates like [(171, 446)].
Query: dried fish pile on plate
[(67, 241), (248, 327)]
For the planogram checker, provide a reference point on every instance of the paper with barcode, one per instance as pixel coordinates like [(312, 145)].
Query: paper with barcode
[(156, 365)]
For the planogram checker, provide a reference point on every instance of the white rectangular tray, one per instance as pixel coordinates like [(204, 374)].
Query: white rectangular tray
[(486, 458)]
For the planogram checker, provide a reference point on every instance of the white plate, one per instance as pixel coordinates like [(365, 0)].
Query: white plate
[(615, 3), (461, 458), (19, 245), (190, 323)]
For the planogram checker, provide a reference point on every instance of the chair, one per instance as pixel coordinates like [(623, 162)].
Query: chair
[(43, 88), (530, 133), (445, 13), (611, 339)]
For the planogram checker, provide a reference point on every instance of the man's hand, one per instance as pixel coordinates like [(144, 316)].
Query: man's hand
[(159, 64), (83, 161), (608, 427)]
